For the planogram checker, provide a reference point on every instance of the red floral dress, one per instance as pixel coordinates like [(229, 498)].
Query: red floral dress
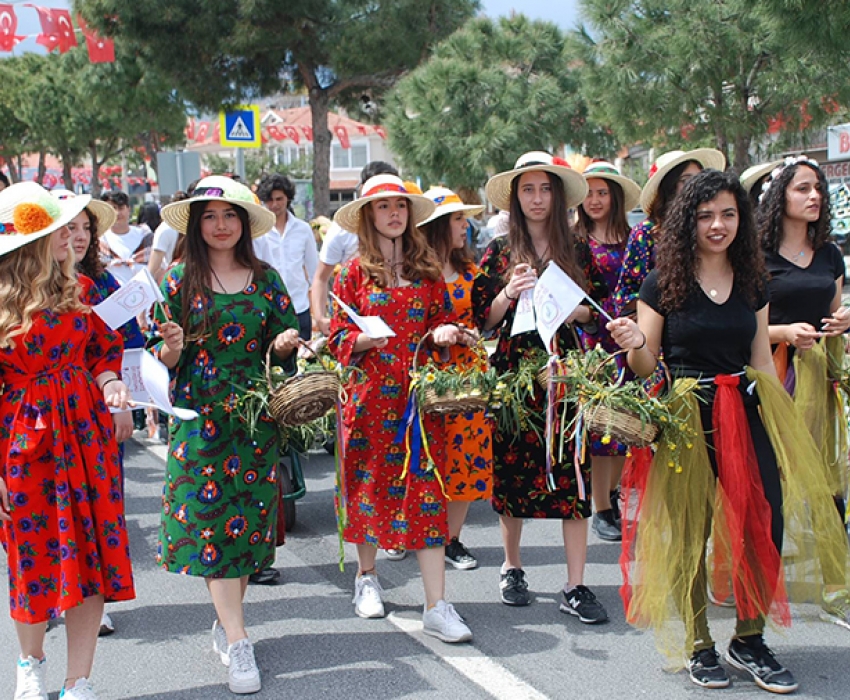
[(67, 539), (382, 509), (469, 448)]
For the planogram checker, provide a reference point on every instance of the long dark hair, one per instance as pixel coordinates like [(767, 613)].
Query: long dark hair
[(618, 224), (439, 235), (196, 292), (676, 256), (90, 264), (666, 193), (560, 235), (771, 210)]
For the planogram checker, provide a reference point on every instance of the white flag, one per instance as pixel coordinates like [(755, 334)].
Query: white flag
[(556, 296), (133, 298)]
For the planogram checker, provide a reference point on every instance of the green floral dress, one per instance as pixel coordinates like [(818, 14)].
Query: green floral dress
[(219, 501)]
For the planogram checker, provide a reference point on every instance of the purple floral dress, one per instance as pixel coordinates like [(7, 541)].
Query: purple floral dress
[(638, 261)]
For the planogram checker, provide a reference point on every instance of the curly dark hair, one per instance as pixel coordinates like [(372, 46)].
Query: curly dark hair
[(676, 253), (91, 264), (771, 210), (276, 181)]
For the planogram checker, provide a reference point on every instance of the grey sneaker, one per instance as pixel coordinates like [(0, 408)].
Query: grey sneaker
[(458, 556), (443, 622), (606, 526), (753, 656), (220, 644), (513, 588), (243, 675), (30, 679), (367, 597), (705, 670)]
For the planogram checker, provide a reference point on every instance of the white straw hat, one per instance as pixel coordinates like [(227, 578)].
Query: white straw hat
[(28, 212), (218, 188), (448, 203), (604, 170), (382, 187), (707, 157), (498, 187), (755, 172), (103, 212)]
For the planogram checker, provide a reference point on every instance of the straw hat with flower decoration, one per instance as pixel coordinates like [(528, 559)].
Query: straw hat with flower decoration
[(448, 203), (754, 173), (604, 170), (499, 186), (103, 212), (707, 157), (28, 213), (218, 188), (382, 187)]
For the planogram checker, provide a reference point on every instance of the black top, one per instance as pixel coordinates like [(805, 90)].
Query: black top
[(703, 338), (803, 294)]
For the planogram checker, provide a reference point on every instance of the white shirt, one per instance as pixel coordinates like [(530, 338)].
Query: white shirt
[(123, 246), (165, 241), (339, 245), (294, 256)]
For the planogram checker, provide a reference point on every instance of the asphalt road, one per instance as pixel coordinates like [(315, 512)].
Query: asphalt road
[(310, 645)]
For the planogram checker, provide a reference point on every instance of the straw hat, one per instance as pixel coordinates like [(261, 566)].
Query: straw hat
[(382, 187), (755, 172), (28, 212), (498, 187), (218, 188), (707, 157), (103, 212), (604, 170), (448, 203)]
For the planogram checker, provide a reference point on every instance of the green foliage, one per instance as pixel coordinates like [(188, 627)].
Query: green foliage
[(259, 162), (669, 72), (490, 92)]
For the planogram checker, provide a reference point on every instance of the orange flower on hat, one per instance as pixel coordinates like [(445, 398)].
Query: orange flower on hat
[(29, 218)]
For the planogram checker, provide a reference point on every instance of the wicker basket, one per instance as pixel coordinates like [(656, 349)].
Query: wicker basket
[(623, 426), (303, 398), (451, 403), (559, 376)]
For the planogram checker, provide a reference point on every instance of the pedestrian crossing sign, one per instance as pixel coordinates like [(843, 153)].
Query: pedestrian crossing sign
[(240, 127)]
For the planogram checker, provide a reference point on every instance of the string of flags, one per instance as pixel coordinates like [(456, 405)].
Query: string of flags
[(57, 32)]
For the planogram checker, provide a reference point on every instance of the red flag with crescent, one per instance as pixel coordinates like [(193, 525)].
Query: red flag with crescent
[(8, 27), (100, 50), (292, 133), (342, 134), (308, 132)]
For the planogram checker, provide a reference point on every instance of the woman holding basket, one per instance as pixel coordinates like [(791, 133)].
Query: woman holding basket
[(224, 310)]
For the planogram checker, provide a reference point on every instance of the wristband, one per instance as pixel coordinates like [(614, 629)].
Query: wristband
[(111, 379), (508, 296), (643, 344)]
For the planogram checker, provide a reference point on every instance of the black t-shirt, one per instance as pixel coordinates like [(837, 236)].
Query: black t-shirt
[(703, 338), (803, 294)]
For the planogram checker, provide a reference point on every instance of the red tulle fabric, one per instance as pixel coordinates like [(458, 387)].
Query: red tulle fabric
[(758, 579), (632, 492)]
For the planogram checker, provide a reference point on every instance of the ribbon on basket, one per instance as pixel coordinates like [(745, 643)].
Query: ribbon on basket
[(412, 433)]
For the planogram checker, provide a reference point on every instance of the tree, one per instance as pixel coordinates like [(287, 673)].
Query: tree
[(223, 52), (817, 27), (491, 91), (707, 73)]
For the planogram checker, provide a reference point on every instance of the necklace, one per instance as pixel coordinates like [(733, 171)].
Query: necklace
[(222, 287), (794, 256)]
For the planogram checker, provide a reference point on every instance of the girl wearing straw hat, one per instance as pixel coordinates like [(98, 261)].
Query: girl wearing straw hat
[(667, 176), (603, 225), (807, 326), (391, 491), (61, 502), (224, 311), (469, 451), (538, 193)]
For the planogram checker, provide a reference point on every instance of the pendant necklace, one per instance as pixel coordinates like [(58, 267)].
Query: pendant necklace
[(223, 288)]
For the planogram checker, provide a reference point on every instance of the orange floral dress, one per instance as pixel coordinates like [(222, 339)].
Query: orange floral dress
[(469, 448)]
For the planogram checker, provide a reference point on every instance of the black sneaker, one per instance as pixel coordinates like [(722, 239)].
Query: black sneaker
[(514, 588), (705, 670), (583, 604), (458, 556), (614, 497), (754, 657), (606, 526)]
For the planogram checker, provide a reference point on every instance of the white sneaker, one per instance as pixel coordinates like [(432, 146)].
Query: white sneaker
[(367, 596), (81, 690), (107, 627), (243, 676), (443, 622), (30, 679), (395, 554), (220, 644)]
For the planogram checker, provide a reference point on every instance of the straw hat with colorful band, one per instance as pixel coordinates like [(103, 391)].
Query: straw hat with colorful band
[(382, 187), (707, 157), (607, 171), (103, 212), (499, 186), (448, 203), (28, 212), (218, 188), (756, 172)]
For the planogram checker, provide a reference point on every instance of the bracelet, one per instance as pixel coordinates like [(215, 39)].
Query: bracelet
[(111, 379), (508, 296), (643, 344)]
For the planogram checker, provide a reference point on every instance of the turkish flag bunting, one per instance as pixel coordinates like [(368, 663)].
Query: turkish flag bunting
[(342, 134), (308, 132), (190, 130), (100, 50), (380, 131), (276, 133), (8, 27), (202, 131), (292, 133), (56, 29)]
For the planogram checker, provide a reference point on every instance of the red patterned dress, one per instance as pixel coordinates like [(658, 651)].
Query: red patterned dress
[(67, 539), (382, 509)]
